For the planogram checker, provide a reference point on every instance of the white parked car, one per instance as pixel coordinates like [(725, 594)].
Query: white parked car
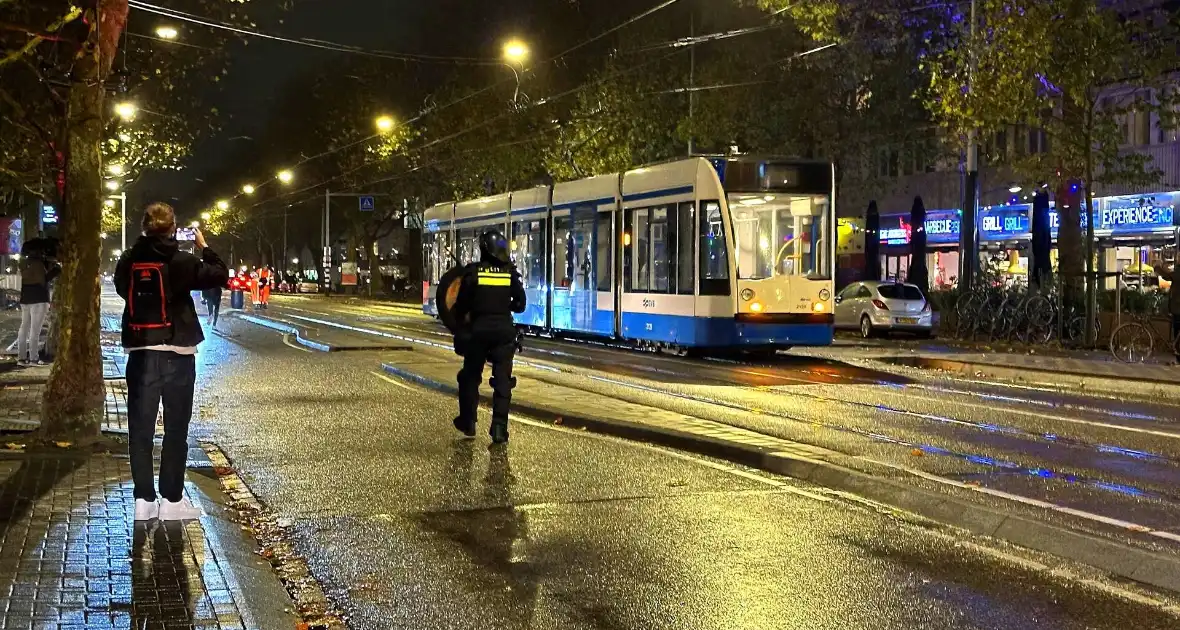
[(882, 307), (309, 287)]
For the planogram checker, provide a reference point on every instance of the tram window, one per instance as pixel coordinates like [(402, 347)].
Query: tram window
[(685, 267), (651, 253), (603, 267), (528, 252), (782, 236), (468, 245), (564, 246), (714, 255), (439, 257), (640, 248), (428, 266)]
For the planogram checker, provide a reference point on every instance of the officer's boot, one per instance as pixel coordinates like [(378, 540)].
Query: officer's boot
[(501, 399), (499, 432)]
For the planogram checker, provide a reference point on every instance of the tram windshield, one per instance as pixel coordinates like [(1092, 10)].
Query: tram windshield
[(782, 235)]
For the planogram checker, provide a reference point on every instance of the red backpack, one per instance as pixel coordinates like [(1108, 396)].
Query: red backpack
[(147, 301)]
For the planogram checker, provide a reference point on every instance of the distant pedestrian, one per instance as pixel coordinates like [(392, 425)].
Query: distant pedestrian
[(161, 332), (490, 293), (37, 271), (212, 298)]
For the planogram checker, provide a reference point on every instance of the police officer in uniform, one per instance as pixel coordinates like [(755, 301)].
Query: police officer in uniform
[(490, 293)]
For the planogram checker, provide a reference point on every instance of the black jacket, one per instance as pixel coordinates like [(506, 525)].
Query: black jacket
[(38, 293), (186, 273), (491, 292)]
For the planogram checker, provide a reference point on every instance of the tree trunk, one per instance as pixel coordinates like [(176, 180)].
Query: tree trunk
[(73, 403)]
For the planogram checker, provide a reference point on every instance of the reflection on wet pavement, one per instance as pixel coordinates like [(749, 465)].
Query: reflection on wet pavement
[(71, 557)]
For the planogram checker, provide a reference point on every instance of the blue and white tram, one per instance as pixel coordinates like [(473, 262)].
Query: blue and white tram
[(724, 253)]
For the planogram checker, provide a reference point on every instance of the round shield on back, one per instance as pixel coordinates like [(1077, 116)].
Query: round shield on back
[(448, 294)]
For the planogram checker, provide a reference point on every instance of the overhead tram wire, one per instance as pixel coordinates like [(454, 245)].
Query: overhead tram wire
[(312, 43), (410, 150)]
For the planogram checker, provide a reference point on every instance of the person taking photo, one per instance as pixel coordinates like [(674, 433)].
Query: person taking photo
[(161, 332)]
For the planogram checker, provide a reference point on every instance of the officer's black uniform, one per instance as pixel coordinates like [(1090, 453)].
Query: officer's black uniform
[(491, 292)]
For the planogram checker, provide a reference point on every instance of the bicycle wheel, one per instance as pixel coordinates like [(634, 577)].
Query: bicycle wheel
[(1132, 343), (1040, 311)]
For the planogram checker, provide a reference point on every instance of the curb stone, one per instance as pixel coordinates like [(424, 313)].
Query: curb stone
[(302, 340), (1155, 569), (272, 535)]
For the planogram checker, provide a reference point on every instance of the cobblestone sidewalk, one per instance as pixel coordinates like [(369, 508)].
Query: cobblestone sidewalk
[(20, 407), (72, 558)]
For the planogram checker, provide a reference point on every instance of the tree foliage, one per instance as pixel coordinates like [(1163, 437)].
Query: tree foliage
[(1073, 68)]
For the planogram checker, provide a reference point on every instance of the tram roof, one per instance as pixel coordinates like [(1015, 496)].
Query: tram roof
[(593, 189), (495, 204)]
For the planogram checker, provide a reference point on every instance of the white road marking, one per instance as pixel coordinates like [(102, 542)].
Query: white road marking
[(287, 340), (392, 381)]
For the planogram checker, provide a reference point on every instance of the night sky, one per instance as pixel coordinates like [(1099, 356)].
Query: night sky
[(259, 70)]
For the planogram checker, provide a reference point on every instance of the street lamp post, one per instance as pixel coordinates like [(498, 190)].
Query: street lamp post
[(969, 231), (516, 53)]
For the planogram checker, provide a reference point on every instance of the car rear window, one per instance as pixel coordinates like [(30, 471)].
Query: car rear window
[(899, 292)]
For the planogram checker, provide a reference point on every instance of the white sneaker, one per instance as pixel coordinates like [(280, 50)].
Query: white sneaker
[(146, 510), (182, 510)]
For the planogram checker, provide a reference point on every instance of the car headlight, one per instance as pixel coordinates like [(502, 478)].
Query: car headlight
[(747, 295), (825, 295)]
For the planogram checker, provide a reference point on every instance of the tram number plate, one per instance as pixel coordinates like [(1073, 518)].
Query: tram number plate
[(649, 304)]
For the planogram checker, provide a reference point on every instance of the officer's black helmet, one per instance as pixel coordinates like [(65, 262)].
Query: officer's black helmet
[(493, 247)]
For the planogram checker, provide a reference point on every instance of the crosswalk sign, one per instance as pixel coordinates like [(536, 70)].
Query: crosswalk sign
[(368, 204)]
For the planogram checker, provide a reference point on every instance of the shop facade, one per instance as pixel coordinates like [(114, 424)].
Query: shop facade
[(1135, 234)]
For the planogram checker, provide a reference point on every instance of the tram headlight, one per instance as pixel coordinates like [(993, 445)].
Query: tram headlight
[(756, 307), (747, 295), (825, 295)]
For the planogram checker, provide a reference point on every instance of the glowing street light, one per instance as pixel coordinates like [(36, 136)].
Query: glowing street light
[(110, 203), (1014, 188), (515, 54), (117, 253), (248, 189), (385, 124), (167, 32), (222, 205), (286, 176), (112, 185), (205, 216), (116, 169), (516, 51), (126, 110), (294, 261)]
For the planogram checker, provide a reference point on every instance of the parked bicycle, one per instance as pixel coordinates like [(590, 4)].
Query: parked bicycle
[(1136, 341)]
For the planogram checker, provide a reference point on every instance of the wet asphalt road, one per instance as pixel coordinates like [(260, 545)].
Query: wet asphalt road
[(409, 527), (1110, 458)]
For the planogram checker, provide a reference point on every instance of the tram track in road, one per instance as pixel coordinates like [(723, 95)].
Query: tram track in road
[(719, 374), (1037, 468), (607, 355)]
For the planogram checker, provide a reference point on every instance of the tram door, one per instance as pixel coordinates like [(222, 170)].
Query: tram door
[(580, 269)]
